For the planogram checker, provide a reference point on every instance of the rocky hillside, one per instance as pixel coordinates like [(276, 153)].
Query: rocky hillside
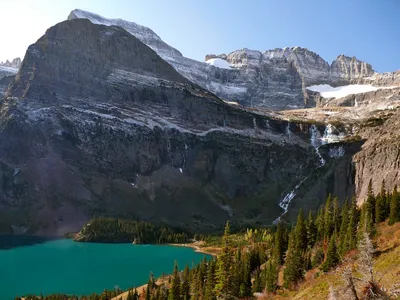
[(276, 79), (112, 129)]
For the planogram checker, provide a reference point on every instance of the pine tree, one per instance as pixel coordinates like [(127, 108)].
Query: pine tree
[(300, 232), (279, 244), (135, 294), (343, 228), (129, 296), (245, 285), (311, 231), (224, 264), (185, 286), (384, 197), (319, 223), (336, 218), (351, 234), (380, 209), (175, 290), (394, 215), (294, 263), (328, 218), (332, 257), (370, 204), (271, 276), (210, 282)]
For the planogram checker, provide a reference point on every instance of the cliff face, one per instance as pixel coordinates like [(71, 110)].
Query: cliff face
[(275, 79), (112, 129), (379, 158)]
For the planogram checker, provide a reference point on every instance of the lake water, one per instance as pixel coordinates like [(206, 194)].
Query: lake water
[(65, 266)]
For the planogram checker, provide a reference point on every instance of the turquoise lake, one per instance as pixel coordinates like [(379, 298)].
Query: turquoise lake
[(65, 266)]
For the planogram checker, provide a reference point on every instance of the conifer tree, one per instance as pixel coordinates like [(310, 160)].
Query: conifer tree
[(384, 197), (319, 222), (245, 285), (129, 296), (370, 204), (336, 218), (332, 257), (271, 276), (279, 244), (380, 208), (394, 215), (175, 290), (343, 228), (135, 294), (185, 286), (210, 282), (300, 232), (311, 231), (224, 264), (328, 218), (294, 262)]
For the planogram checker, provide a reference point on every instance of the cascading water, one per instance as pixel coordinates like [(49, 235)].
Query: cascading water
[(184, 159), (288, 132), (284, 203), (316, 141)]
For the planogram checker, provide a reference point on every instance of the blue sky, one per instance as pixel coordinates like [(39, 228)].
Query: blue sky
[(367, 29)]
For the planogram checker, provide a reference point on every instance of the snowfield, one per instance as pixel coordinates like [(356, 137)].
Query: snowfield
[(219, 63), (327, 91)]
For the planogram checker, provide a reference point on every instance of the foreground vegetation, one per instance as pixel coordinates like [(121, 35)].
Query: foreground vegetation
[(335, 245)]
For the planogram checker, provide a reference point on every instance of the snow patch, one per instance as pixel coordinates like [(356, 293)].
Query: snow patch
[(328, 91), (219, 63)]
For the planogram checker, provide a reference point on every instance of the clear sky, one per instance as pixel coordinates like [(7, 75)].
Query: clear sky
[(367, 29)]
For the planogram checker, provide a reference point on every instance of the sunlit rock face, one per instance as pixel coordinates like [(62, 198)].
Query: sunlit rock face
[(275, 79)]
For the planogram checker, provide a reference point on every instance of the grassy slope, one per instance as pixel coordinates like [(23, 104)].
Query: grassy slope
[(387, 263)]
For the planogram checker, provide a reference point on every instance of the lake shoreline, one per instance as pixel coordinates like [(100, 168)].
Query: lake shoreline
[(199, 247)]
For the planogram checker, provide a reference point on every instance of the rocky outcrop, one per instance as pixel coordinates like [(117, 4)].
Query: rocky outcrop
[(345, 70), (112, 129), (14, 64), (275, 79)]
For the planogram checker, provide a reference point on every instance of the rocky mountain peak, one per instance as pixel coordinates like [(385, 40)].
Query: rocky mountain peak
[(349, 69), (144, 34), (15, 63)]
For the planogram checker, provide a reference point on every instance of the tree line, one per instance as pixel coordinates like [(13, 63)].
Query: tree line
[(111, 230)]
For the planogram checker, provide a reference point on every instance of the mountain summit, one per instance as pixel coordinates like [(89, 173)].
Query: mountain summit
[(276, 79)]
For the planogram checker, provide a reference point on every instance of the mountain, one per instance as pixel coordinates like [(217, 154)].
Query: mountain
[(276, 79), (14, 64), (112, 129)]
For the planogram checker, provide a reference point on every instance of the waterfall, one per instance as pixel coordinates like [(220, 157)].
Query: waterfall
[(254, 123), (316, 142), (184, 158), (330, 136), (288, 132), (285, 202)]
